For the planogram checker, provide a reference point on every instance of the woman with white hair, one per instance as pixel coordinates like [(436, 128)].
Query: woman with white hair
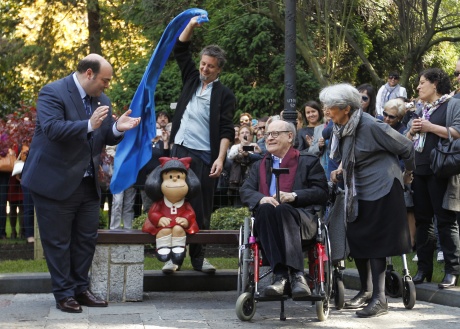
[(368, 152)]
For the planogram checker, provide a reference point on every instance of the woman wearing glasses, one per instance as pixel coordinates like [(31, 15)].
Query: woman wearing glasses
[(368, 150), (434, 196), (368, 98), (392, 89)]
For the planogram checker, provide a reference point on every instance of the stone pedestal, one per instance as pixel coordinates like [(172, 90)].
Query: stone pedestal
[(117, 272)]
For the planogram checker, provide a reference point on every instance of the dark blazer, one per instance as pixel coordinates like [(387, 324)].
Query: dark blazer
[(61, 147), (310, 184), (222, 106)]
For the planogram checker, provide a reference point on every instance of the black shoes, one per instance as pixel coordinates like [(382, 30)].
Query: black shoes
[(421, 276), (299, 286), (449, 281), (69, 305), (373, 309), (278, 287), (358, 301)]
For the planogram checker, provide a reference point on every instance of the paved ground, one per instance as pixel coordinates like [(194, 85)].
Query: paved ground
[(207, 309)]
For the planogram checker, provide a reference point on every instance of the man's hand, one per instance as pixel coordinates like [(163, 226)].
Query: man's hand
[(269, 199), (216, 168), (98, 116), (286, 197), (125, 122)]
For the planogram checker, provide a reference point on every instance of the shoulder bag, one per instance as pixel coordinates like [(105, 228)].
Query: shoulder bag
[(445, 157), (7, 163)]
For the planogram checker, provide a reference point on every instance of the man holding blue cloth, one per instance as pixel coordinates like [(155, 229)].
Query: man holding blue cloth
[(202, 129)]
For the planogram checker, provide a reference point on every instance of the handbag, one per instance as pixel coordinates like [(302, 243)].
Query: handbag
[(7, 163), (445, 157)]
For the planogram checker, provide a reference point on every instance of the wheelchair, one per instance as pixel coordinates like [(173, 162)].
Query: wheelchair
[(320, 276)]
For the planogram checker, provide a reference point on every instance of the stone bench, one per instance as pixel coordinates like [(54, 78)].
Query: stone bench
[(117, 271)]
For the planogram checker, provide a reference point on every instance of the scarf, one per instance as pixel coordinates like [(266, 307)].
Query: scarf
[(390, 92), (290, 160), (134, 151), (427, 111), (348, 161)]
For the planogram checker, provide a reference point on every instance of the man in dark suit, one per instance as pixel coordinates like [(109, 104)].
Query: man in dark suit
[(202, 129), (74, 122)]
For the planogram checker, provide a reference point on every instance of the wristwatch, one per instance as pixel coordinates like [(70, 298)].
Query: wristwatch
[(294, 195)]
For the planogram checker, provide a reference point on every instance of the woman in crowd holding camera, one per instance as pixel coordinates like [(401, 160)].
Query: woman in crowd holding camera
[(434, 196), (368, 150)]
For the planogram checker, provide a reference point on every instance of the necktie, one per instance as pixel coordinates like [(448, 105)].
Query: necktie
[(90, 169), (276, 164), (87, 102)]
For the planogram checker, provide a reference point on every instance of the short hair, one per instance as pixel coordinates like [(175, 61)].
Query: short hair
[(163, 113), (289, 126), (341, 95), (216, 52), (398, 104), (395, 73), (89, 63), (439, 78)]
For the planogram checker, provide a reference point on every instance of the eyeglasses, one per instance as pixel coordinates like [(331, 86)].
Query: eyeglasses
[(456, 74), (364, 98), (391, 117), (275, 134), (244, 120), (396, 77)]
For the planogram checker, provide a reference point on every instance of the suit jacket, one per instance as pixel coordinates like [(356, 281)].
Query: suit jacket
[(222, 101), (61, 148), (310, 184)]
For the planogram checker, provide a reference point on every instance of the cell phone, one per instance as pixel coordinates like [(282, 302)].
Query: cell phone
[(248, 148)]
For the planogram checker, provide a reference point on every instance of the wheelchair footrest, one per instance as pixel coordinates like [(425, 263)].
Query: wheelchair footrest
[(312, 298)]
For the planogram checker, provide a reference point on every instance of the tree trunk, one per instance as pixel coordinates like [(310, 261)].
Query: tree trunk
[(94, 26)]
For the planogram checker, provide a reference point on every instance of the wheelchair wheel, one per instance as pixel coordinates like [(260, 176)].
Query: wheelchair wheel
[(339, 293), (409, 294), (393, 284), (323, 306), (245, 306), (243, 255)]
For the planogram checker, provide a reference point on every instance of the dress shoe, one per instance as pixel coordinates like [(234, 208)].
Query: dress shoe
[(299, 286), (69, 305), (449, 281), (88, 299), (421, 276), (358, 301), (164, 254), (373, 309), (178, 254), (278, 287)]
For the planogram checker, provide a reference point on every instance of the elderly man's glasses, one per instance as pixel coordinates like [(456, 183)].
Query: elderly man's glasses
[(456, 74), (396, 77), (275, 134), (391, 117)]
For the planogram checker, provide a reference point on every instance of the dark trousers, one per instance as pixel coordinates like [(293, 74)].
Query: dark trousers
[(68, 232), (4, 181), (278, 230), (428, 195), (202, 203), (29, 229)]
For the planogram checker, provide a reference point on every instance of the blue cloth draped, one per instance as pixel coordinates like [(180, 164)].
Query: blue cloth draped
[(135, 150)]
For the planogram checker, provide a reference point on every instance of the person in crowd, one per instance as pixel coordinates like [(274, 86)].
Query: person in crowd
[(241, 160), (393, 112), (4, 183), (237, 134), (368, 151), (320, 146), (74, 122), (15, 200), (105, 175), (202, 129), (278, 222), (392, 89), (245, 119), (314, 116), (368, 98), (163, 119), (434, 196)]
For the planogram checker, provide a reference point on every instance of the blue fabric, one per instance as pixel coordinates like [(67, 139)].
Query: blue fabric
[(276, 165), (134, 151)]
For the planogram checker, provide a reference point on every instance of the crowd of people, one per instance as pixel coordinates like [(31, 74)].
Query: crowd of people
[(375, 146)]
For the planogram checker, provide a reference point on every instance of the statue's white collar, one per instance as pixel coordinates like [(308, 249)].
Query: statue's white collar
[(173, 206)]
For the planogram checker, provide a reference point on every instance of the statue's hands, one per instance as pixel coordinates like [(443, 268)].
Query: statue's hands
[(164, 221), (182, 222)]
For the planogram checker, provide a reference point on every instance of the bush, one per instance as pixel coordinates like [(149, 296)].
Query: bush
[(229, 218), (103, 219), (138, 222)]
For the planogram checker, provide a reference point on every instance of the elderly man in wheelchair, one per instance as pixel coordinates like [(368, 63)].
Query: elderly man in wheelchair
[(285, 214)]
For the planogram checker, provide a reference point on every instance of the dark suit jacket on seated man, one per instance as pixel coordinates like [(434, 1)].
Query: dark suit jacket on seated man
[(74, 122), (278, 224)]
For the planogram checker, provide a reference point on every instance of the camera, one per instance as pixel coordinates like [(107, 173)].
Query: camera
[(248, 148)]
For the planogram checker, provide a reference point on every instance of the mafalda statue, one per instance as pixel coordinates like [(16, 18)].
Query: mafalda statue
[(171, 217)]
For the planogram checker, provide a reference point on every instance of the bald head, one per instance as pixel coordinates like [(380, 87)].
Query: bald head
[(93, 62), (94, 73)]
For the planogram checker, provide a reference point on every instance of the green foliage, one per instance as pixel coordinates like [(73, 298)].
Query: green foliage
[(138, 222), (228, 218), (103, 219)]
